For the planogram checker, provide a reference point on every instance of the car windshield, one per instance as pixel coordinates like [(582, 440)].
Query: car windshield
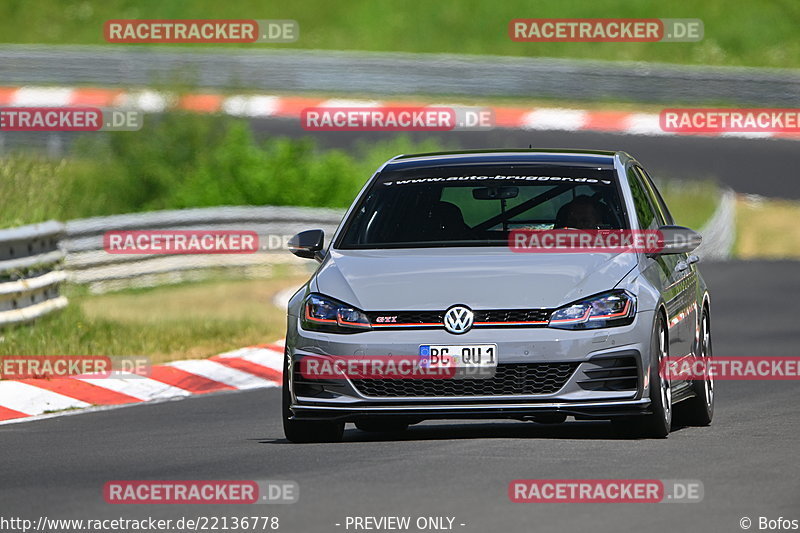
[(479, 206)]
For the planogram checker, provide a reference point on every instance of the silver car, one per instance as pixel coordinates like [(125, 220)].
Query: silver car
[(423, 268)]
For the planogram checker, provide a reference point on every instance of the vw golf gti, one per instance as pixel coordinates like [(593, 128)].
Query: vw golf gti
[(423, 270)]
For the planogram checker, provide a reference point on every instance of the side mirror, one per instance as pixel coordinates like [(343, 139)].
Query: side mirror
[(678, 240), (308, 244)]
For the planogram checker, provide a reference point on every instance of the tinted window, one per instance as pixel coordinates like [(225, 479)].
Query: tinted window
[(468, 206), (645, 213), (655, 197)]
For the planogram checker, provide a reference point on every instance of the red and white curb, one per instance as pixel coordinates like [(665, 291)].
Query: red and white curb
[(265, 106), (248, 368)]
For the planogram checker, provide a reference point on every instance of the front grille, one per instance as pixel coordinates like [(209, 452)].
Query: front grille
[(611, 374), (483, 318), (514, 315), (509, 380)]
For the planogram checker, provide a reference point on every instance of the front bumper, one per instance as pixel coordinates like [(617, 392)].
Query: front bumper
[(599, 410), (584, 394)]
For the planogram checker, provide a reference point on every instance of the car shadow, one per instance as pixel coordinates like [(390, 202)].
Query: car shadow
[(573, 430)]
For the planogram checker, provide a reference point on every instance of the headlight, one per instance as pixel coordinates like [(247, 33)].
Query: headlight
[(326, 314), (615, 308)]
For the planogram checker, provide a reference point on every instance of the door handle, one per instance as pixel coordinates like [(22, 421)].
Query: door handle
[(681, 266)]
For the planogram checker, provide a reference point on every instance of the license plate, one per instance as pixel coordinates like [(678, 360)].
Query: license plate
[(458, 356)]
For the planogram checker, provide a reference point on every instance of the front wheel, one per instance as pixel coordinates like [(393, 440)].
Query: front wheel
[(305, 431), (658, 423), (699, 411)]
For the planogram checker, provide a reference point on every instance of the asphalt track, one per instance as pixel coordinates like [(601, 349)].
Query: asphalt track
[(747, 459), (766, 167)]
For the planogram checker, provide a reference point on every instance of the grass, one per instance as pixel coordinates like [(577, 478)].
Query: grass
[(691, 202), (30, 190), (751, 32), (767, 228), (187, 321)]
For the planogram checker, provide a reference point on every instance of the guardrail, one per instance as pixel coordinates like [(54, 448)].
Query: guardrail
[(35, 260), (30, 257), (398, 73), (719, 232), (88, 263)]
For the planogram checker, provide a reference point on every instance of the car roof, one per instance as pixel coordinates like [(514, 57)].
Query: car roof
[(503, 157)]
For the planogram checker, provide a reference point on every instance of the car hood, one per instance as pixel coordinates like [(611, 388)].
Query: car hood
[(481, 278)]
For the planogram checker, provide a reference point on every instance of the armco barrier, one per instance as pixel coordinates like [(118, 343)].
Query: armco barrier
[(29, 272), (88, 263), (719, 232)]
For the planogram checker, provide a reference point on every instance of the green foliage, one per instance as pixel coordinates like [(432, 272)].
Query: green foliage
[(187, 160)]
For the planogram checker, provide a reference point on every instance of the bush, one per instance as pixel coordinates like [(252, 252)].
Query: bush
[(186, 160)]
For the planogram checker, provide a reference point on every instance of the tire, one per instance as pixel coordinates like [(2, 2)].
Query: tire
[(305, 431), (374, 425), (699, 410), (658, 423)]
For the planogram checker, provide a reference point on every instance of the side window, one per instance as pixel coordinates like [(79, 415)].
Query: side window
[(645, 212), (655, 197)]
